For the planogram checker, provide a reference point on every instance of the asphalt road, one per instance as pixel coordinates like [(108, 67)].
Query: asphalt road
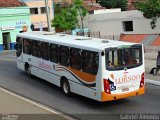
[(77, 106)]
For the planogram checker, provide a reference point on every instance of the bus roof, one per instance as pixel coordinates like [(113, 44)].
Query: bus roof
[(88, 43)]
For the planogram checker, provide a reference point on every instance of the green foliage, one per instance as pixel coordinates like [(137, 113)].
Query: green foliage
[(59, 6), (82, 12), (150, 10), (114, 4), (67, 18)]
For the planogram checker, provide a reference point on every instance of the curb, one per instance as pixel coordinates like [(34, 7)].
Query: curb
[(37, 104), (4, 52), (153, 82)]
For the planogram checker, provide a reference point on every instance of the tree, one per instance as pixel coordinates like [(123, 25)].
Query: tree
[(67, 18), (82, 12), (114, 4), (150, 10)]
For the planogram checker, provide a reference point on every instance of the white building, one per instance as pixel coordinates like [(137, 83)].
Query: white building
[(127, 22)]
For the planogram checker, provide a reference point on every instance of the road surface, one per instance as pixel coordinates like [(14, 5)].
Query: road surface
[(77, 106)]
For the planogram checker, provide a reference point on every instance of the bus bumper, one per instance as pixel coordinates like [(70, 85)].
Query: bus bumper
[(110, 97)]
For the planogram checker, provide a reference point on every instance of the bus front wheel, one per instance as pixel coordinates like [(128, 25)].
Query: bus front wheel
[(66, 87)]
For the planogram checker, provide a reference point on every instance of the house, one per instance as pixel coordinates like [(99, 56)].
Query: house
[(15, 18), (38, 12), (126, 22), (131, 4)]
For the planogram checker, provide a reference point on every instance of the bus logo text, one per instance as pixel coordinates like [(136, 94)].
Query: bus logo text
[(126, 79), (44, 65)]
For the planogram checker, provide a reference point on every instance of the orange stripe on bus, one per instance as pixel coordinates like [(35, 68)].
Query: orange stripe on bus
[(110, 97), (84, 76)]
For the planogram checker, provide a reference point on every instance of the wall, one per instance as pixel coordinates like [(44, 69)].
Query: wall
[(112, 23), (101, 11), (39, 20), (12, 21)]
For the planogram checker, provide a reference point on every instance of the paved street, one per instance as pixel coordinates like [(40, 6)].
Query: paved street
[(76, 106)]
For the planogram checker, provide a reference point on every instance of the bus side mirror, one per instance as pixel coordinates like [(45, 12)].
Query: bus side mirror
[(16, 46)]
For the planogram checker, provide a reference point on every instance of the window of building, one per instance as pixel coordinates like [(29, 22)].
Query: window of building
[(36, 48), (75, 58), (64, 56), (27, 46), (43, 10), (128, 26), (45, 51), (33, 11), (54, 53), (90, 62)]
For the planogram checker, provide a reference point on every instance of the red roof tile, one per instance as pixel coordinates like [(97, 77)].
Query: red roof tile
[(156, 42), (92, 7), (11, 3), (154, 39)]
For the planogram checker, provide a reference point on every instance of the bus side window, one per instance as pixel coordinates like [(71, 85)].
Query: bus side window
[(36, 49), (45, 50), (54, 53), (75, 58), (64, 56), (27, 46), (90, 62)]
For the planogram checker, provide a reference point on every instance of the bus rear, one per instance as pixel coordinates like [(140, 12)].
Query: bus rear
[(124, 72)]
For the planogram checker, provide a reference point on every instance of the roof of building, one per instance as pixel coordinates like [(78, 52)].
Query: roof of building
[(11, 3), (55, 1), (88, 43), (131, 4), (91, 6), (145, 39)]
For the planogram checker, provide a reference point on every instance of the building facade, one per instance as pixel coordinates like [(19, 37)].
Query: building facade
[(126, 22), (38, 12), (12, 21)]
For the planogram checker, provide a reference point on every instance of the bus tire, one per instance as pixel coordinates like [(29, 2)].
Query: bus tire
[(66, 87), (28, 70)]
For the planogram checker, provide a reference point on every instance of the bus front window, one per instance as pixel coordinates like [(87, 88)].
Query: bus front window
[(118, 58)]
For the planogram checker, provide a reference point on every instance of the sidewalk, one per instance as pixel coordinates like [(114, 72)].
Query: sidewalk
[(150, 62), (12, 105)]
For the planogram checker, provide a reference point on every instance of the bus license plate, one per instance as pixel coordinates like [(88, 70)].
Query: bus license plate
[(125, 89)]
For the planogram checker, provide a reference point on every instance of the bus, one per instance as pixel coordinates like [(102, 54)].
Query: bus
[(100, 69)]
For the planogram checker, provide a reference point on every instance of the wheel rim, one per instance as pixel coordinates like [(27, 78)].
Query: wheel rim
[(65, 87), (28, 71)]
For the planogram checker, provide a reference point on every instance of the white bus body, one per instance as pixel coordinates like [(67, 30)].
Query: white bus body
[(49, 56)]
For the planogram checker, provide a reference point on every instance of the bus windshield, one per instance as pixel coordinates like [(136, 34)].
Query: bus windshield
[(123, 57)]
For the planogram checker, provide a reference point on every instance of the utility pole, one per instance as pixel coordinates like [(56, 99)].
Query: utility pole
[(48, 16), (53, 8)]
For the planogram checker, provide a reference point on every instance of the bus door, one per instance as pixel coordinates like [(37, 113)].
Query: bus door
[(18, 47)]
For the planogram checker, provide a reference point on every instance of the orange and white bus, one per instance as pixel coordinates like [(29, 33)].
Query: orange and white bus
[(99, 69)]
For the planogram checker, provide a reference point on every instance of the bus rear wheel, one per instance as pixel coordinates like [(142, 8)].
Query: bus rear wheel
[(66, 87), (28, 71)]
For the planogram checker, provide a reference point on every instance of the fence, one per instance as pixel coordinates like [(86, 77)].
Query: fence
[(97, 34)]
